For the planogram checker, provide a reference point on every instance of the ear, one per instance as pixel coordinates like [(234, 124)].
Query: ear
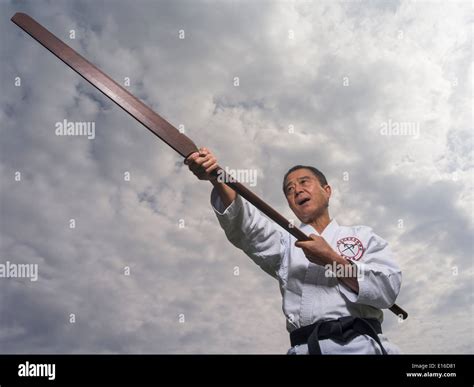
[(328, 190)]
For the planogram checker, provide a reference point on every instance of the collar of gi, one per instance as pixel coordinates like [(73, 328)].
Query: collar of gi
[(327, 233)]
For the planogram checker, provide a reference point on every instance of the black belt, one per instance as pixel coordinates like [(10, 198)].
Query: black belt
[(343, 329)]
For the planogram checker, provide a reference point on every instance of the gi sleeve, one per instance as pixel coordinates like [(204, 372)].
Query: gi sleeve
[(380, 277), (249, 230)]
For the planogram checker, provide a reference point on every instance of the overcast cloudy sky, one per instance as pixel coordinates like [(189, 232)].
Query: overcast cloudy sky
[(324, 83)]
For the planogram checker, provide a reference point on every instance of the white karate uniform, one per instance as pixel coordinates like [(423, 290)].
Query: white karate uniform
[(308, 294)]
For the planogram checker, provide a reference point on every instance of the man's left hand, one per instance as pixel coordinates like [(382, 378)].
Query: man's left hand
[(318, 250)]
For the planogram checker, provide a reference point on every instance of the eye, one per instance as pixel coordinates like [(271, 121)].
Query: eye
[(289, 190)]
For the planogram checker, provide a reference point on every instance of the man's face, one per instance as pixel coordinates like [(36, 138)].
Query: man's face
[(305, 195)]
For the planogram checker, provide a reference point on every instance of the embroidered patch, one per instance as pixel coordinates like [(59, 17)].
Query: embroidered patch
[(350, 248)]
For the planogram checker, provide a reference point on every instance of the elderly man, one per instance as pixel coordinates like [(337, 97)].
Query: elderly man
[(333, 286)]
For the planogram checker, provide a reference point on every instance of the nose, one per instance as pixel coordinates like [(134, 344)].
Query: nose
[(298, 190)]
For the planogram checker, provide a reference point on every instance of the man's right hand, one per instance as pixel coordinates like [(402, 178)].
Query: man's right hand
[(202, 163)]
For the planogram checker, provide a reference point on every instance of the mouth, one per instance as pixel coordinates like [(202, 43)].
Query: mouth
[(303, 201)]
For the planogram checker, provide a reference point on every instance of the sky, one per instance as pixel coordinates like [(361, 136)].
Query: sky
[(130, 256)]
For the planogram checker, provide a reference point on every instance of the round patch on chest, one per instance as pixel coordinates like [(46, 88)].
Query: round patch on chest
[(350, 248)]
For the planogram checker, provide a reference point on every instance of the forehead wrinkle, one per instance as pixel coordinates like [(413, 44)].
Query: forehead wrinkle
[(298, 179)]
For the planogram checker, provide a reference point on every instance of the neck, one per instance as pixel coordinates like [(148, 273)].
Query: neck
[(320, 223)]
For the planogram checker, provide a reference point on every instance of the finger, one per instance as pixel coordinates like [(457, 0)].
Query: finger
[(203, 151), (211, 168), (200, 172), (191, 157), (189, 160), (196, 162), (314, 236), (301, 244), (209, 162), (201, 160)]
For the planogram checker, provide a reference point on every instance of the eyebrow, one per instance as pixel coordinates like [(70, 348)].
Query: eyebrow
[(299, 178)]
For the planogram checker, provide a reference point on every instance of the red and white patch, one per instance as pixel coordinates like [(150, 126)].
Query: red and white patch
[(350, 248)]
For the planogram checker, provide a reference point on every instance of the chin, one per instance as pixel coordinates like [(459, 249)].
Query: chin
[(307, 217)]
